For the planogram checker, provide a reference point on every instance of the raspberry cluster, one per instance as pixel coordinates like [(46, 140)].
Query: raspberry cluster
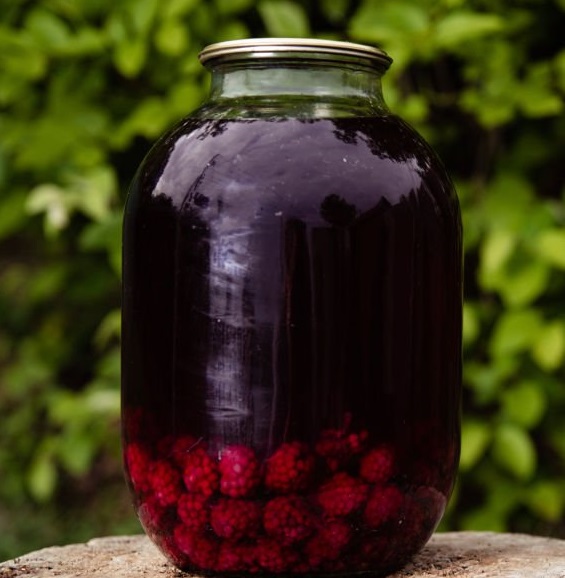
[(341, 504)]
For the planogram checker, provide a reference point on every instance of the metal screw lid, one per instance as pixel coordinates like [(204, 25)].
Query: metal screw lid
[(269, 47)]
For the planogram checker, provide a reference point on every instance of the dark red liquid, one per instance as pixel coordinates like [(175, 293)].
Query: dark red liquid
[(292, 281)]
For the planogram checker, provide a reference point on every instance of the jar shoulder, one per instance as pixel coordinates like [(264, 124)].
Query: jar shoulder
[(293, 165)]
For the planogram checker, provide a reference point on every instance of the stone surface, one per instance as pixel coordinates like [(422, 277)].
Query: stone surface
[(456, 554)]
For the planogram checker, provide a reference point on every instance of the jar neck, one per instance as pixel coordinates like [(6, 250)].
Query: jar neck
[(295, 87)]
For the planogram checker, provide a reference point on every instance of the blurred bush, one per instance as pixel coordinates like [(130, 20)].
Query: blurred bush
[(87, 85)]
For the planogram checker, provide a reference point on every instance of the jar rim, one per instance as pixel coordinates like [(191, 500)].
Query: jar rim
[(269, 47)]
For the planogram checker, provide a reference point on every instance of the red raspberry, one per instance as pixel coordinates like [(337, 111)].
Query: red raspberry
[(423, 510), (200, 473), (239, 470), (290, 468), (274, 557), (377, 465), (166, 542), (288, 519), (177, 448), (236, 558), (138, 461), (337, 446), (193, 511), (384, 505), (153, 516), (358, 441), (165, 482), (328, 543), (201, 550), (373, 550), (235, 519), (342, 494)]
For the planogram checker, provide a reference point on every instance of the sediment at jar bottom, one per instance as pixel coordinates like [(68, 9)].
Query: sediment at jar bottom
[(342, 504)]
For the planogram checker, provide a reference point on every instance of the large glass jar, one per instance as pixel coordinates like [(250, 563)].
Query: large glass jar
[(291, 321)]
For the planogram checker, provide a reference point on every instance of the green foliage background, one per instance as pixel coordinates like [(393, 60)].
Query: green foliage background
[(87, 85)]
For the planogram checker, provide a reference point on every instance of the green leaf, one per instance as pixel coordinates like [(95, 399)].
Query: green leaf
[(335, 10), (175, 8), (105, 235), (486, 380), (172, 37), (129, 57), (536, 95), (515, 332), (549, 349), (149, 119), (21, 57), (496, 250), (184, 97), (232, 30), (550, 246), (51, 200), (141, 14), (508, 204), (103, 402), (42, 474), (524, 404), (475, 438), (514, 451), (401, 27), (471, 323), (49, 31), (284, 18), (109, 329), (521, 286), (12, 214), (547, 500), (385, 21), (463, 26), (94, 192), (76, 450), (230, 7), (483, 520)]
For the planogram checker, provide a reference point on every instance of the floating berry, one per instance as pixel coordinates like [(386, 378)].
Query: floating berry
[(342, 495), (138, 462), (384, 505), (357, 441), (235, 519), (377, 465), (192, 510), (200, 473), (338, 446), (290, 468), (288, 519), (239, 471), (201, 550), (274, 557), (165, 482), (328, 542), (183, 447), (177, 448)]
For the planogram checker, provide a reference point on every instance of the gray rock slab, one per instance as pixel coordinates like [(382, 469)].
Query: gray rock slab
[(451, 554)]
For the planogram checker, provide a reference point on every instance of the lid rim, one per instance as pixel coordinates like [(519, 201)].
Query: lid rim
[(265, 47)]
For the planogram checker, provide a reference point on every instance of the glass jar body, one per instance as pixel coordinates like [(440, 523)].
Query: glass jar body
[(291, 342)]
